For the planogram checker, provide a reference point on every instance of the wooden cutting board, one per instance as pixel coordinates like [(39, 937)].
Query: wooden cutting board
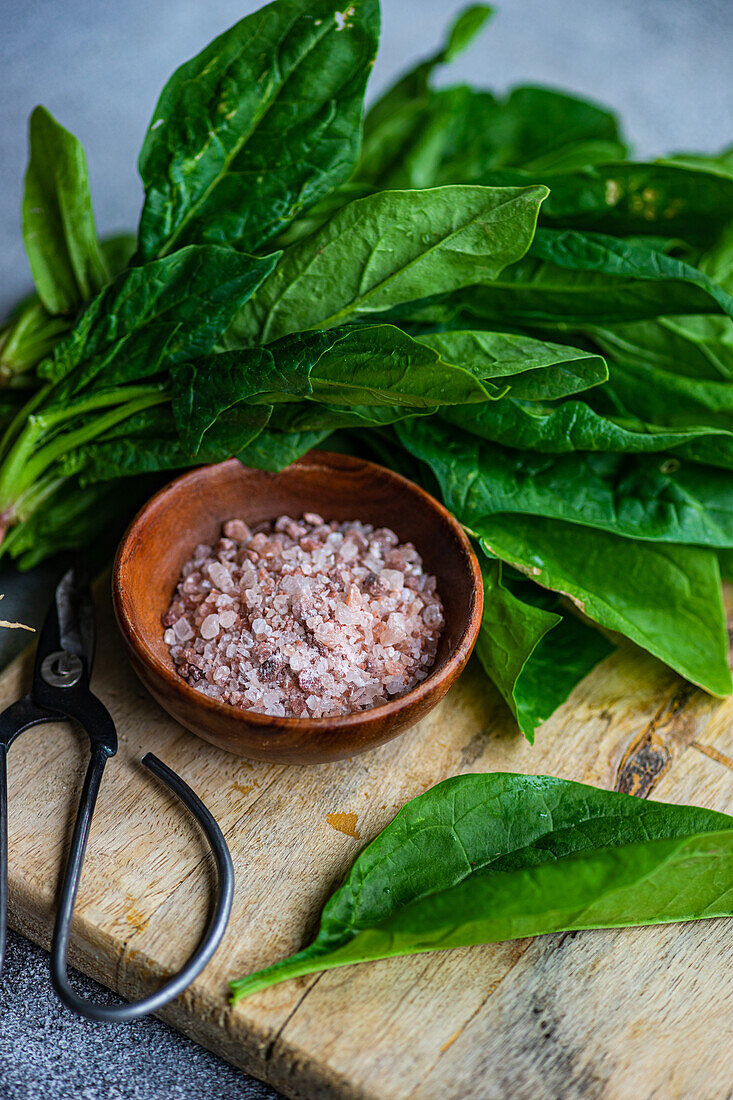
[(618, 1015)]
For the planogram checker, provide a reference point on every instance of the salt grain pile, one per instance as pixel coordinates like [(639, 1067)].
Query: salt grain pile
[(304, 618)]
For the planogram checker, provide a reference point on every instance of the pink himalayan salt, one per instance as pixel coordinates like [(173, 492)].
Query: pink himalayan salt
[(304, 618)]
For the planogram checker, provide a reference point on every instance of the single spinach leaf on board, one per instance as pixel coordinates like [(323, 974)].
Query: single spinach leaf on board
[(534, 369), (258, 126), (570, 426), (389, 248), (482, 858), (59, 233), (532, 649), (161, 313), (573, 279), (367, 365), (640, 497)]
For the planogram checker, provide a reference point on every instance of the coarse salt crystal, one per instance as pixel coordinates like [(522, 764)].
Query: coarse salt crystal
[(237, 529), (432, 615), (219, 575), (393, 579), (210, 626), (304, 617), (182, 630)]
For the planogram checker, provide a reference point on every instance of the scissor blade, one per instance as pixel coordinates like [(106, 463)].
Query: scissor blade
[(69, 623)]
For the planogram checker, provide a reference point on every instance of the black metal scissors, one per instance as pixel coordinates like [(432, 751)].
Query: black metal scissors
[(61, 691)]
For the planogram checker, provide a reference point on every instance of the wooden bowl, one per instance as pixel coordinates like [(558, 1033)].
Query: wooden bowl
[(191, 510)]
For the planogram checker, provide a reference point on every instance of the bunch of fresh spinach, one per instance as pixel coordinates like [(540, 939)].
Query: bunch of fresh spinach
[(483, 292), (488, 857)]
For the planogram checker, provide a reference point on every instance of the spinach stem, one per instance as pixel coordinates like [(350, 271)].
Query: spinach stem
[(36, 494), (27, 338), (22, 417), (22, 466), (65, 442)]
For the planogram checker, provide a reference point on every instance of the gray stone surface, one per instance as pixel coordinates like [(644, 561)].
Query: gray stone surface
[(46, 1053), (663, 64)]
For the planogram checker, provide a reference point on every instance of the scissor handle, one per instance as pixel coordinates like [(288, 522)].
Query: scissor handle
[(70, 886)]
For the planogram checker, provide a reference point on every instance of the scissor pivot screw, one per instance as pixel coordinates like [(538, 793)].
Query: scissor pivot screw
[(62, 669)]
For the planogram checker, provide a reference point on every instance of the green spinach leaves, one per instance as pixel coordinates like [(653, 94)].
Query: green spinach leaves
[(481, 290), (481, 858), (59, 233), (258, 126)]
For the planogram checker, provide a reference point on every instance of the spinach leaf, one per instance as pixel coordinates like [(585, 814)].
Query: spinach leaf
[(415, 84), (391, 120), (569, 278), (458, 134), (670, 399), (598, 252), (627, 198), (258, 126), (665, 598), (533, 651), (273, 450), (569, 426), (481, 858), (389, 248), (59, 233), (533, 368), (368, 365), (641, 497), (164, 312), (696, 346), (539, 125)]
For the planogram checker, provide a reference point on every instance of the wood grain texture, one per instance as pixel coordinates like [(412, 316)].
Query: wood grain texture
[(618, 1015)]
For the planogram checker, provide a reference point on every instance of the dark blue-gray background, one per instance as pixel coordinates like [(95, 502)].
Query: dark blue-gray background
[(98, 65)]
